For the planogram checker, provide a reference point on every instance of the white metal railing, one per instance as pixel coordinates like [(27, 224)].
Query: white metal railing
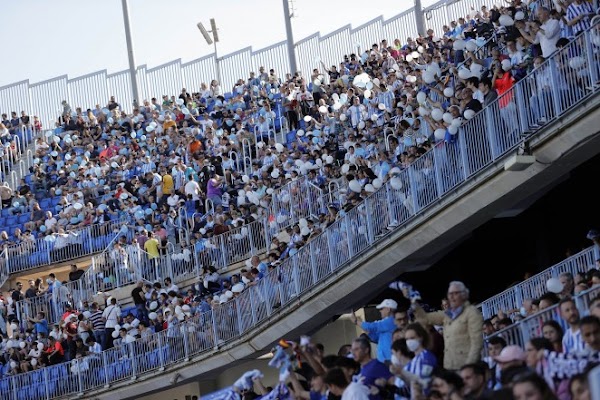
[(522, 331), (409, 193), (532, 288), (56, 248), (42, 98)]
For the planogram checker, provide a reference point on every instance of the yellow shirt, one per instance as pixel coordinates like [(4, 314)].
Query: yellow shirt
[(151, 247), (167, 185), (169, 124)]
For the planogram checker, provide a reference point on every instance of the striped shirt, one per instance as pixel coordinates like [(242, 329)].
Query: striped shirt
[(572, 342), (422, 365), (575, 10), (97, 321)]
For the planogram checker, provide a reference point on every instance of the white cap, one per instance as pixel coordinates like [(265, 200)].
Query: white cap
[(389, 303)]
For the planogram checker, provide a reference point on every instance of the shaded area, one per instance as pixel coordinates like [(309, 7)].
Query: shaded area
[(504, 250)]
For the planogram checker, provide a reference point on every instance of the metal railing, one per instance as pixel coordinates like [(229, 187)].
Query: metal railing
[(522, 331), (57, 248), (43, 98), (534, 287), (427, 181)]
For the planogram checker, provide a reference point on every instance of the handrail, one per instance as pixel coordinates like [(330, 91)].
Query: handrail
[(81, 242), (535, 286)]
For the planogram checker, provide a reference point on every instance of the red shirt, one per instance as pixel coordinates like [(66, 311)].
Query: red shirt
[(57, 347), (503, 85)]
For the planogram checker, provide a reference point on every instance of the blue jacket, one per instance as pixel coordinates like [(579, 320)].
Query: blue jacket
[(381, 332)]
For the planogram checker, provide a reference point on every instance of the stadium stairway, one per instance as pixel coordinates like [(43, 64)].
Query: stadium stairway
[(562, 145)]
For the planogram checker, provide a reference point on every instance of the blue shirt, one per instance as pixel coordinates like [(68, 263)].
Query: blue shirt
[(372, 371), (41, 327), (381, 332)]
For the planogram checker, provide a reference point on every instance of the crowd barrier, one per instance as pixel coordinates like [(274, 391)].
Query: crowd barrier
[(522, 331), (56, 248), (534, 287)]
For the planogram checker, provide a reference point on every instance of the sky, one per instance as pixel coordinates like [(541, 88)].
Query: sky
[(50, 38)]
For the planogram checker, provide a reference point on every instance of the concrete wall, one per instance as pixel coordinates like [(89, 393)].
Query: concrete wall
[(176, 393)]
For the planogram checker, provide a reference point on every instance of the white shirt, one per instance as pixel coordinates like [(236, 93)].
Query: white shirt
[(173, 288), (548, 39), (111, 314), (572, 342), (192, 187), (356, 391)]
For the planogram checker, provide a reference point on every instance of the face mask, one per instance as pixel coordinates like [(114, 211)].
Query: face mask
[(412, 344), (395, 360), (523, 311)]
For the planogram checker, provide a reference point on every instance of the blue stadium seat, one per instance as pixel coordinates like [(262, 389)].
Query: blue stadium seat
[(55, 200), (4, 212), (228, 96), (12, 220), (45, 203), (24, 218)]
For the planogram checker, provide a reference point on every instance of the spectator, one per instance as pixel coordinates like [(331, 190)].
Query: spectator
[(532, 387), (463, 335), (474, 379), (590, 332), (381, 331), (370, 369), (572, 340), (341, 387), (552, 331)]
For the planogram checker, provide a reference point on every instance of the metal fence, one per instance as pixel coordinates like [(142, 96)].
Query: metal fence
[(44, 98), (534, 287), (522, 331), (57, 248)]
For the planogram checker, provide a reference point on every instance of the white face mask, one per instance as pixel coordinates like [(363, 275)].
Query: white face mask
[(413, 344)]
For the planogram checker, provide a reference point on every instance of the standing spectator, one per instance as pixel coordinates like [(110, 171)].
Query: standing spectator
[(546, 34), (381, 331), (572, 340), (341, 387), (463, 336), (424, 362), (98, 326), (139, 299), (370, 369), (579, 16), (111, 316)]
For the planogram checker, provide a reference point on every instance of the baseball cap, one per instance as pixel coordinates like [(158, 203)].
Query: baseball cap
[(389, 303), (511, 353)]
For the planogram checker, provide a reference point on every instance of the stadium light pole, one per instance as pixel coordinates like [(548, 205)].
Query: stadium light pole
[(212, 39), (290, 37), (132, 71)]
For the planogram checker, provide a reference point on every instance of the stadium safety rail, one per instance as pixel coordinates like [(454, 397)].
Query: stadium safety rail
[(522, 331), (73, 293), (534, 287), (17, 162), (400, 199), (74, 244)]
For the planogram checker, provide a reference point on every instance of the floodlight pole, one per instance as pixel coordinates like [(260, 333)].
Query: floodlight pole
[(217, 65), (290, 37), (420, 18), (132, 71)]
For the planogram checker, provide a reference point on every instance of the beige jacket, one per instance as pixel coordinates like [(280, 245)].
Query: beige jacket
[(463, 336)]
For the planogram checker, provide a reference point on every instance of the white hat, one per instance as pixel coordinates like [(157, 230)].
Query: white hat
[(389, 303)]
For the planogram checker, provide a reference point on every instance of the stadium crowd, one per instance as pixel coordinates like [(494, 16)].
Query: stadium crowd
[(210, 161)]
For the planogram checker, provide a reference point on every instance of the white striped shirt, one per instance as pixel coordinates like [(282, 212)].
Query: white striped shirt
[(572, 342), (575, 10)]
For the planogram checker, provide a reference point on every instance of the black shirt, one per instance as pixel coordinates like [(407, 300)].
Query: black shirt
[(30, 293), (138, 296), (74, 275)]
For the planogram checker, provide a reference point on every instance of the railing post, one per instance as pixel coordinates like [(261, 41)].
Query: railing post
[(105, 367), (413, 191), (161, 355), (521, 107), (463, 153), (46, 384), (295, 275), (591, 62), (215, 329), (186, 342), (236, 307), (253, 305), (330, 251), (223, 251), (79, 379), (369, 219), (348, 235), (313, 263)]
